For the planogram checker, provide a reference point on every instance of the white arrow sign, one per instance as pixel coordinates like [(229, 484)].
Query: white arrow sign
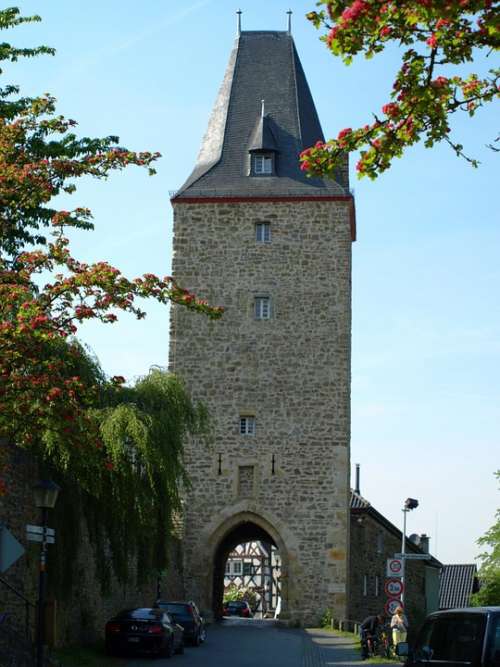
[(39, 530), (413, 556), (36, 537), (10, 548)]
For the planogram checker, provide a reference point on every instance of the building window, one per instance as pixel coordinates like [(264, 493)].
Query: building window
[(262, 307), (237, 567), (248, 569), (380, 543), (263, 164), (247, 425), (365, 585), (262, 232), (377, 586), (228, 567)]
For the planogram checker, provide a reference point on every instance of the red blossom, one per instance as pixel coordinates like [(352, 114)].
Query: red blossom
[(432, 41), (344, 133)]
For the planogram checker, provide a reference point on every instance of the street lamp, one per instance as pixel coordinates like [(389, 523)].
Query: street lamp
[(410, 504), (45, 493)]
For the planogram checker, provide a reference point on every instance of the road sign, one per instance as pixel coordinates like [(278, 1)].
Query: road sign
[(391, 605), (413, 556), (36, 537), (394, 567), (393, 588), (39, 530), (10, 548)]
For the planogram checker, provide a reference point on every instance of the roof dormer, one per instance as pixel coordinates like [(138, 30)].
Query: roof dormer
[(263, 147)]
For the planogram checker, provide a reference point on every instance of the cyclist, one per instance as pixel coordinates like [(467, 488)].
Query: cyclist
[(368, 630)]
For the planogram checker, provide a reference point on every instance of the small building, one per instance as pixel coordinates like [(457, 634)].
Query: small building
[(256, 566), (456, 585), (374, 539)]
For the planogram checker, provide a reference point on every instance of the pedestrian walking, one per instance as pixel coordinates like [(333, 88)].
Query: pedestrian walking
[(399, 626)]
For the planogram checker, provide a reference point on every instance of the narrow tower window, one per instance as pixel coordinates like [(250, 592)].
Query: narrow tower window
[(263, 164), (263, 232), (262, 307), (247, 425)]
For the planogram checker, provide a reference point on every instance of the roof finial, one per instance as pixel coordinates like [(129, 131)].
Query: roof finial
[(263, 110), (238, 22), (289, 12)]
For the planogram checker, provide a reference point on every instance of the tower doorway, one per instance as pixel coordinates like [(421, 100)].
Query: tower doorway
[(249, 566)]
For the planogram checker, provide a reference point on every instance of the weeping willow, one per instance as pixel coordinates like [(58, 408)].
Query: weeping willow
[(126, 490)]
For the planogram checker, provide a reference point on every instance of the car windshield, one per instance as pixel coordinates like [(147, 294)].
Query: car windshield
[(177, 610), (142, 614), (237, 604), (452, 638)]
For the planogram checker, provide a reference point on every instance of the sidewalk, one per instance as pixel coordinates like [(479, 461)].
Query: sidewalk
[(326, 649)]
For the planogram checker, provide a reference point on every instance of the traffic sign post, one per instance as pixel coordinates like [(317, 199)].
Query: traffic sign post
[(40, 534), (395, 567), (10, 549), (394, 588), (391, 605)]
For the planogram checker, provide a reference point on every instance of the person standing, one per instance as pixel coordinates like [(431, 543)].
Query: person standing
[(399, 626)]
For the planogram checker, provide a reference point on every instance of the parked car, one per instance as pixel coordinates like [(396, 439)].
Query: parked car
[(237, 608), (456, 637), (144, 630), (187, 615)]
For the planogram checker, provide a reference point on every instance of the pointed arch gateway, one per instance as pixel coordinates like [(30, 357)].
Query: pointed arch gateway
[(243, 526)]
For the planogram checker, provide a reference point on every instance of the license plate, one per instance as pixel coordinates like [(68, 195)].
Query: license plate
[(136, 640)]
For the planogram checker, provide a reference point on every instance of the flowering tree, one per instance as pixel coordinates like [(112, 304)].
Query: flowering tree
[(47, 384), (489, 572), (439, 36)]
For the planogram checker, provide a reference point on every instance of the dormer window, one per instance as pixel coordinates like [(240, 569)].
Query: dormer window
[(262, 164)]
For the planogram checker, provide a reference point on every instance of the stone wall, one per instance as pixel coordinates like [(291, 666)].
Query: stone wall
[(290, 372), (81, 616)]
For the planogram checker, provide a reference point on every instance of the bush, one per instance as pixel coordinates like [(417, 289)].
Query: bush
[(326, 619)]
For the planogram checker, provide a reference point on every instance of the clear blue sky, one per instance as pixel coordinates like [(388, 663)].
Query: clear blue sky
[(426, 279)]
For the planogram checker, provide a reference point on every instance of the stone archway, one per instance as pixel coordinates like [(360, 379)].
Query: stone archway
[(244, 526)]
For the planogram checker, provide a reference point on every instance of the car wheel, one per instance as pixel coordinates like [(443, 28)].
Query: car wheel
[(197, 639), (203, 634)]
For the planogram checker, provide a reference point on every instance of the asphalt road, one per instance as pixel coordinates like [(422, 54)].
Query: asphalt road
[(254, 643)]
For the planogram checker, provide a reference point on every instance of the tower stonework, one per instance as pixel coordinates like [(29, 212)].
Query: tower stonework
[(254, 235)]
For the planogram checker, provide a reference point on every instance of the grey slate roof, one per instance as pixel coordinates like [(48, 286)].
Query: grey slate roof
[(263, 65), (456, 585)]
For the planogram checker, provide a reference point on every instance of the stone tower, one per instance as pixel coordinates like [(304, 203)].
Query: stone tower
[(253, 234)]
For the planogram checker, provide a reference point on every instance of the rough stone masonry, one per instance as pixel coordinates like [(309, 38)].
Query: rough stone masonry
[(274, 373)]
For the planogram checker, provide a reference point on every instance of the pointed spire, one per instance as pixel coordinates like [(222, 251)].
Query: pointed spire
[(289, 12), (238, 22), (263, 65), (263, 109)]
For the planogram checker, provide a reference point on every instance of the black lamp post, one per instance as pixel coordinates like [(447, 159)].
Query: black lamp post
[(46, 493)]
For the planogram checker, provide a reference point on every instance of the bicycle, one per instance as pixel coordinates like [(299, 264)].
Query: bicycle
[(384, 649), (369, 646)]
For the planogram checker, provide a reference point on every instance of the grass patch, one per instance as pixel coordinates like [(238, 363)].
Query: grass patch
[(87, 656), (341, 633), (357, 645)]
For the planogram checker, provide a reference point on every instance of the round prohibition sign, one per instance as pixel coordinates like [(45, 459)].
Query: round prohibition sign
[(391, 605), (395, 566), (393, 588)]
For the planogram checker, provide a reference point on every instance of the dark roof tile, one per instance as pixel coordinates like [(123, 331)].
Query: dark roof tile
[(263, 65)]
